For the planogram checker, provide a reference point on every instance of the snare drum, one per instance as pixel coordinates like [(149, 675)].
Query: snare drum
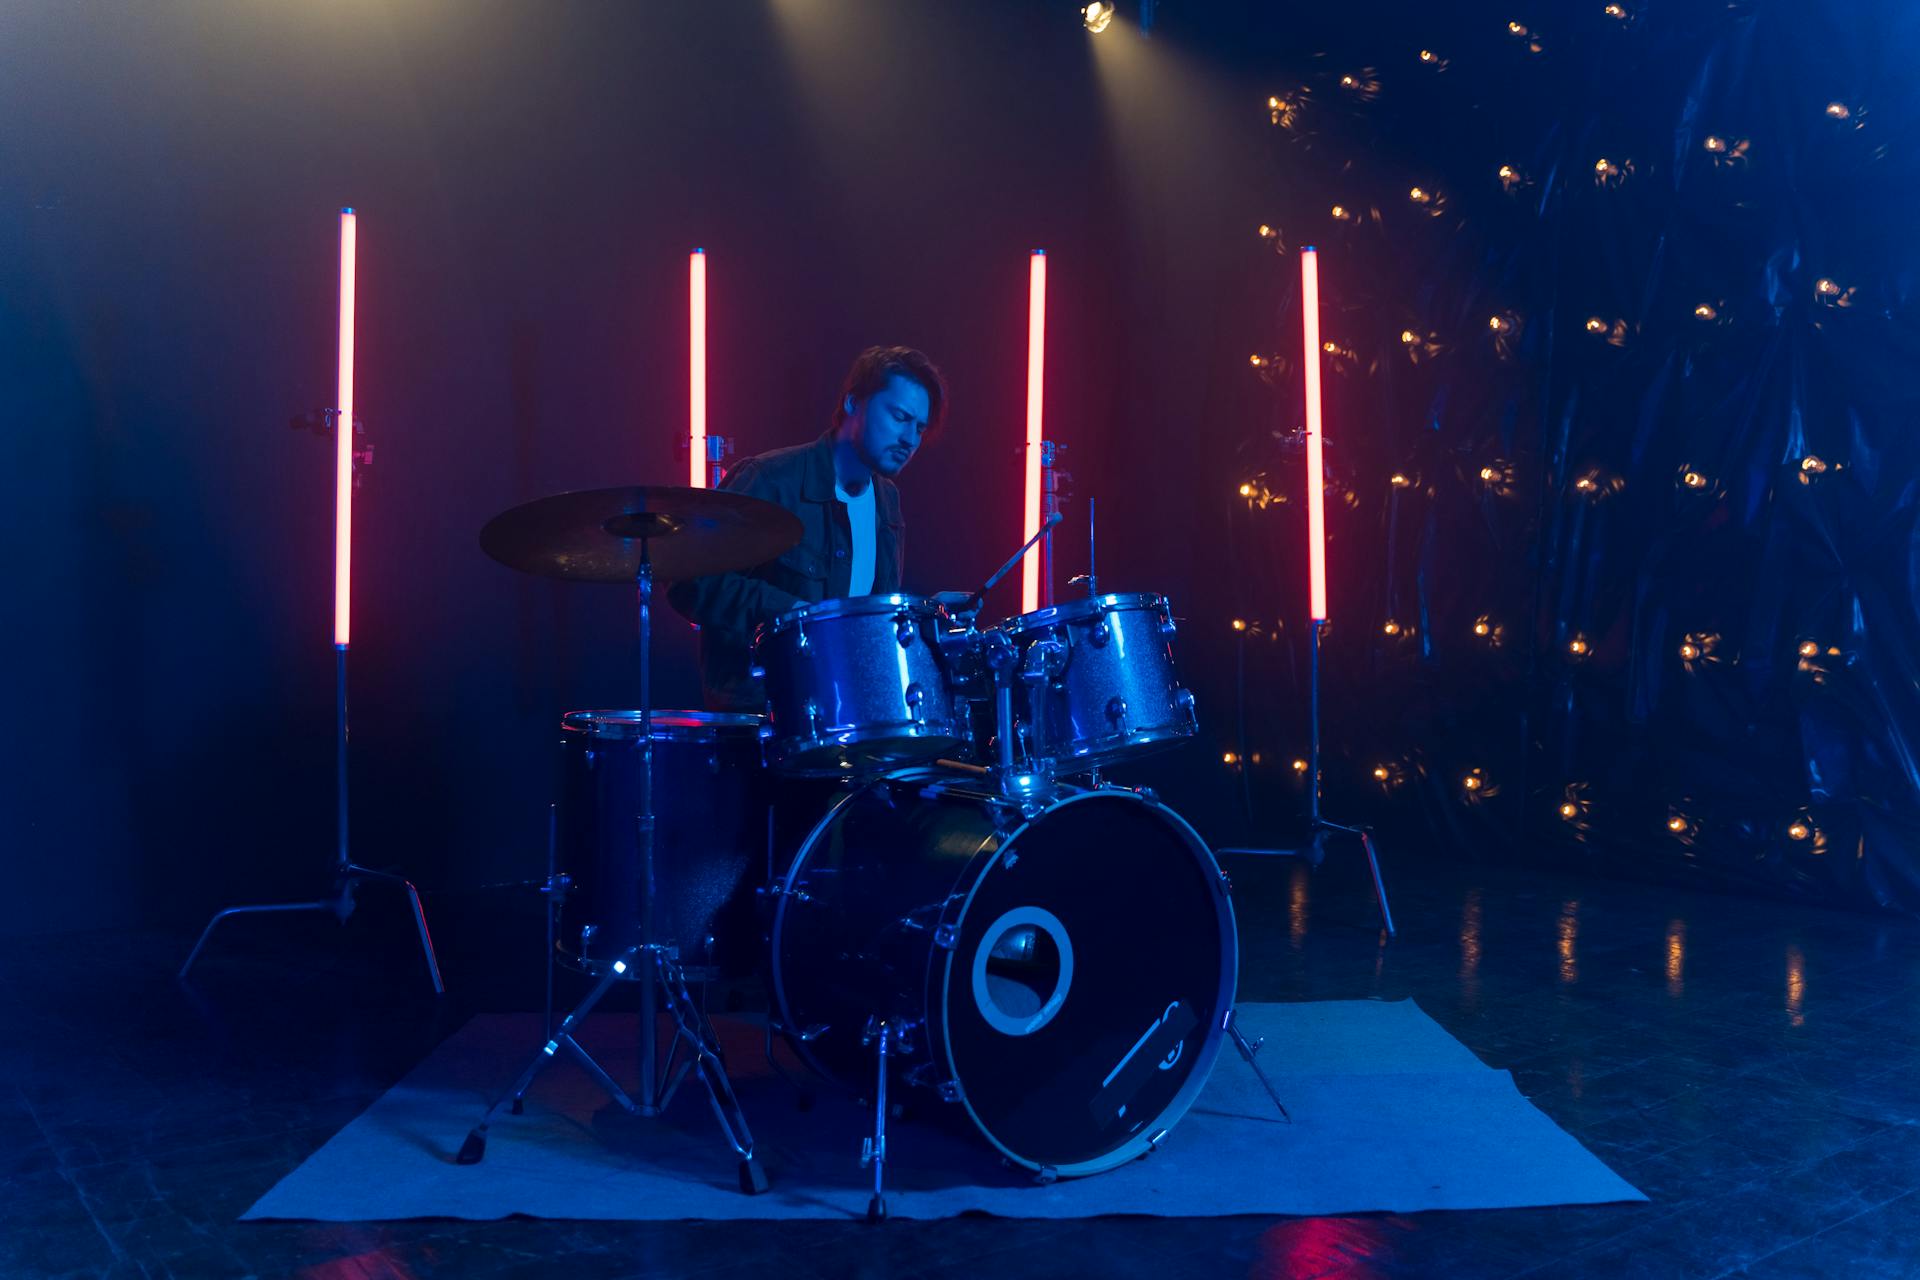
[(1099, 681), (710, 810), (857, 685)]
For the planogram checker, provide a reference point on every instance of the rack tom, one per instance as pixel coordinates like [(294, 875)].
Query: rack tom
[(857, 685), (1097, 681)]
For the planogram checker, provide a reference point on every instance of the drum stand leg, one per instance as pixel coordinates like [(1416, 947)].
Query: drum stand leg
[(874, 1149), (474, 1149), (1249, 1048), (660, 976)]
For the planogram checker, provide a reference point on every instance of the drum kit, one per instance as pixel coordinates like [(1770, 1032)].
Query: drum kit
[(977, 918)]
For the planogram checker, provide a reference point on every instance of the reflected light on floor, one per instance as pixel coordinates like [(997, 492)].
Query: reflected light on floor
[(1297, 909), (1569, 937), (1354, 1248), (1796, 986), (1470, 949), (1676, 957)]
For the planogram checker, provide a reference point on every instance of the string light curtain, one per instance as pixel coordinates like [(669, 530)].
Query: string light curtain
[(1627, 301)]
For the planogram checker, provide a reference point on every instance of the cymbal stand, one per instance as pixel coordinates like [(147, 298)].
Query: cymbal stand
[(654, 965)]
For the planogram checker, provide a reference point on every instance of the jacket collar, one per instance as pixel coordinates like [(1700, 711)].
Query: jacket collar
[(817, 482)]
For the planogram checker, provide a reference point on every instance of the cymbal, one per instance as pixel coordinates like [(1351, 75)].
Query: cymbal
[(595, 535)]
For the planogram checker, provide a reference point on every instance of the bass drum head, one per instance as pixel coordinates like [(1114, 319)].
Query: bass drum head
[(1084, 1001)]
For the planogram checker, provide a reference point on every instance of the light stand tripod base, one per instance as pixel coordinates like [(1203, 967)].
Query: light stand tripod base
[(341, 905), (1311, 852), (347, 874)]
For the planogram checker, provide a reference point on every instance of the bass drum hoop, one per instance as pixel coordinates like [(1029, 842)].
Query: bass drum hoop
[(1212, 1042)]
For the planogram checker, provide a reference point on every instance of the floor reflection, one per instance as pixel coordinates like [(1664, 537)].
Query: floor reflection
[(1796, 986), (1676, 957), (1569, 939), (1356, 1248)]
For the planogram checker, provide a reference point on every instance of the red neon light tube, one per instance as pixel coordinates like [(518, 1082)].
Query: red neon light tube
[(1036, 381), (343, 446), (1316, 473), (697, 369)]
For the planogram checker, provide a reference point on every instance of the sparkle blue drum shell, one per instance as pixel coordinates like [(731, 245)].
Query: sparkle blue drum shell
[(856, 686), (1062, 974), (710, 808), (1099, 681)]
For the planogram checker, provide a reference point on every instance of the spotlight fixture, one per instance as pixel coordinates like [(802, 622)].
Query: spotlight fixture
[(1097, 16)]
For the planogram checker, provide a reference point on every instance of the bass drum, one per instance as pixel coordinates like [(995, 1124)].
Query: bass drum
[(1061, 971)]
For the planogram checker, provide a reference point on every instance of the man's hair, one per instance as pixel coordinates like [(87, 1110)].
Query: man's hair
[(874, 367)]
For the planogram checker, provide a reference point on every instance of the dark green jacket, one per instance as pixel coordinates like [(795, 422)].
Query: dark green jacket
[(729, 607)]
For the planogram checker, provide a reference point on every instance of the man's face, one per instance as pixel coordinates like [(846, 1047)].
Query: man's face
[(886, 430)]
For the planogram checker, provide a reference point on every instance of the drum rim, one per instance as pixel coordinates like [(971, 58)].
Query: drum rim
[(1072, 610), (1189, 1092), (848, 607), (668, 724), (939, 735)]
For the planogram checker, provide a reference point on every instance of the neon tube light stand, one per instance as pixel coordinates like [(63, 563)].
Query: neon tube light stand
[(348, 454), (1319, 825)]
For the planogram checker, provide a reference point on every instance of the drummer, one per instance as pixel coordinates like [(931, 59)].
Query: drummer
[(841, 486)]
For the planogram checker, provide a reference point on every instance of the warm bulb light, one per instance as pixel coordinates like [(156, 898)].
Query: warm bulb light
[(1578, 647), (1809, 649), (1097, 16), (1482, 628), (1838, 111), (1229, 757), (1715, 143), (1569, 811), (1472, 782), (1339, 213), (1689, 651), (1676, 823), (1380, 772), (1489, 474), (1299, 766), (1417, 194), (1704, 311), (1391, 627), (1246, 491), (1693, 480), (1813, 465), (1516, 28), (1239, 624), (1596, 325), (1826, 288), (1799, 831), (1399, 480), (1408, 337), (1428, 55)]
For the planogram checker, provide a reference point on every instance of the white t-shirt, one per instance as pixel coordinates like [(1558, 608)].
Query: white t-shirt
[(860, 514)]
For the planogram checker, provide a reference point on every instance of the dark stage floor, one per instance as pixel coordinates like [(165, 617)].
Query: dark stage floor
[(1752, 1066)]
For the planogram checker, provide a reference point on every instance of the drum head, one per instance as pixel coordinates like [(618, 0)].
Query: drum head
[(1084, 998)]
